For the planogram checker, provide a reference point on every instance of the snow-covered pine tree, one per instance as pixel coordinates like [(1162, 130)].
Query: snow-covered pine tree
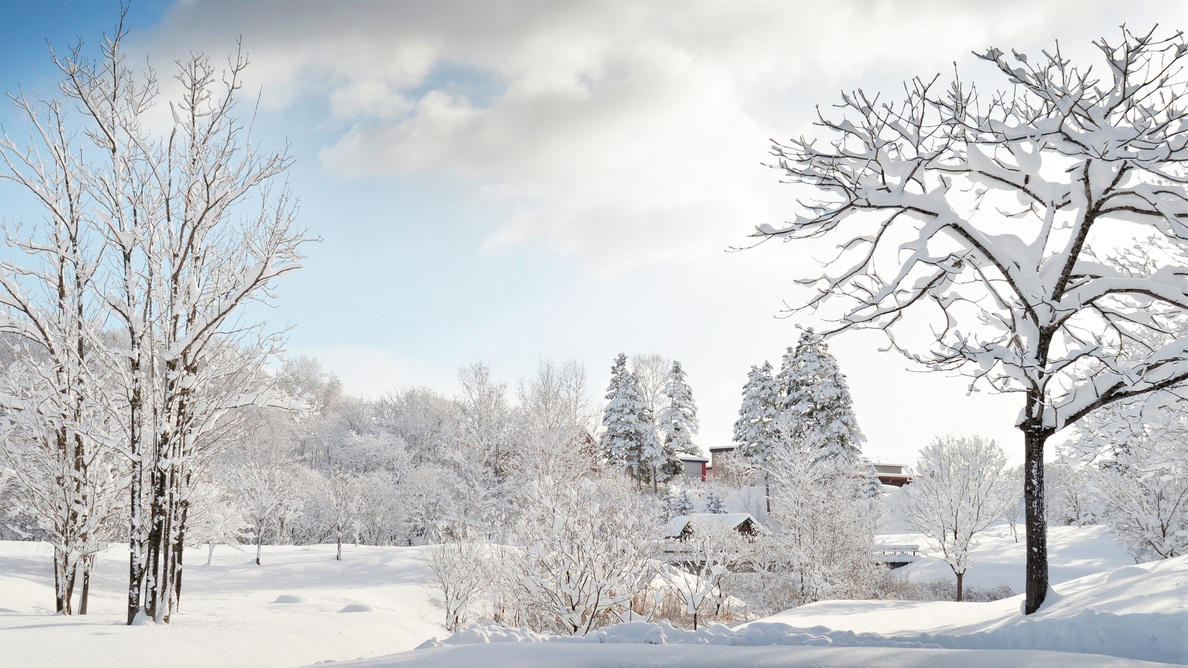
[(754, 431), (872, 487), (678, 420), (817, 407), (683, 505), (626, 420), (678, 423), (714, 503)]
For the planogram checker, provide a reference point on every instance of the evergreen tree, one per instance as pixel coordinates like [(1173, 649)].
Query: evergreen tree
[(817, 409), (714, 503), (627, 421), (679, 418), (872, 487), (683, 505), (754, 431)]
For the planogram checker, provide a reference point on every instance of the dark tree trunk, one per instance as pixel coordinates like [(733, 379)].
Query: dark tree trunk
[(960, 589), (88, 562), (59, 604), (1037, 527)]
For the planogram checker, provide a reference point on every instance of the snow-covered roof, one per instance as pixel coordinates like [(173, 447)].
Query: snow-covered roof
[(676, 526), (692, 458)]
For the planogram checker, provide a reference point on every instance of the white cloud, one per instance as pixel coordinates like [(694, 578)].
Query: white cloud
[(621, 133), (628, 137)]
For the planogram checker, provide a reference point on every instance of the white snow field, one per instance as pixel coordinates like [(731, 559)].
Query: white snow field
[(1105, 611)]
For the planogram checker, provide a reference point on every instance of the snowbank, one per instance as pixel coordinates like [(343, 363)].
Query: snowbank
[(1134, 612)]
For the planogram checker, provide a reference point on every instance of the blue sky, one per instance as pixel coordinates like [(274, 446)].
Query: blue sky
[(510, 182)]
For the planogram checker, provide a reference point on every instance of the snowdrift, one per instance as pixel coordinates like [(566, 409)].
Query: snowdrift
[(1134, 612)]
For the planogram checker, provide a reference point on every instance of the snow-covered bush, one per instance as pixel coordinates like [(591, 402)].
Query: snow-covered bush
[(700, 566), (460, 571), (1071, 494), (823, 533), (1145, 494), (580, 553)]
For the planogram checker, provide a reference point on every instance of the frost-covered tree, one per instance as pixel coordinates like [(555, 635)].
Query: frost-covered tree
[(754, 431), (702, 563), (56, 421), (823, 535), (268, 483), (582, 551), (627, 423), (459, 570), (1070, 494), (757, 429), (714, 504), (1140, 451), (554, 417), (651, 370), (214, 518), (680, 503), (678, 419), (180, 229), (817, 407), (956, 493), (1037, 235), (1145, 497)]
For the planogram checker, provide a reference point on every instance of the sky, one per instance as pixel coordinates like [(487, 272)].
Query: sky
[(523, 181)]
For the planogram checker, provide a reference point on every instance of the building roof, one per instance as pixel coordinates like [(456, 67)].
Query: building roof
[(676, 526), (692, 458)]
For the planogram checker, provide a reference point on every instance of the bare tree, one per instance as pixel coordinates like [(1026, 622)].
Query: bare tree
[(189, 228), (956, 493), (57, 431), (1033, 239), (582, 551), (703, 562), (652, 371), (460, 572)]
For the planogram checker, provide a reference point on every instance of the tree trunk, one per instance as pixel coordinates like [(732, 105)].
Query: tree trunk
[(259, 542), (338, 555), (59, 604), (1037, 527), (209, 554), (88, 564), (960, 591)]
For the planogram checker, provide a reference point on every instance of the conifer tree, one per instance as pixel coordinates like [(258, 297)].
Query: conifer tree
[(817, 408), (754, 431), (714, 503), (626, 419), (683, 505), (679, 418)]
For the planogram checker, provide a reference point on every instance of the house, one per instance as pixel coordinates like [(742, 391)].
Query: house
[(718, 457), (682, 527), (892, 474), (694, 466)]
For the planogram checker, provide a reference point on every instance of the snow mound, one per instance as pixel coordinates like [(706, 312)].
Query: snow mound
[(357, 607), (291, 598), (1135, 612)]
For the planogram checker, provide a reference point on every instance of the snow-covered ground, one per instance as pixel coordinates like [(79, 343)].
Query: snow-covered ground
[(999, 559), (229, 615), (1105, 612)]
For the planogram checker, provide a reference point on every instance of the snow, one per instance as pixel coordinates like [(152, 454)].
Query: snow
[(1103, 611), (1138, 613), (300, 607), (677, 525), (997, 559)]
